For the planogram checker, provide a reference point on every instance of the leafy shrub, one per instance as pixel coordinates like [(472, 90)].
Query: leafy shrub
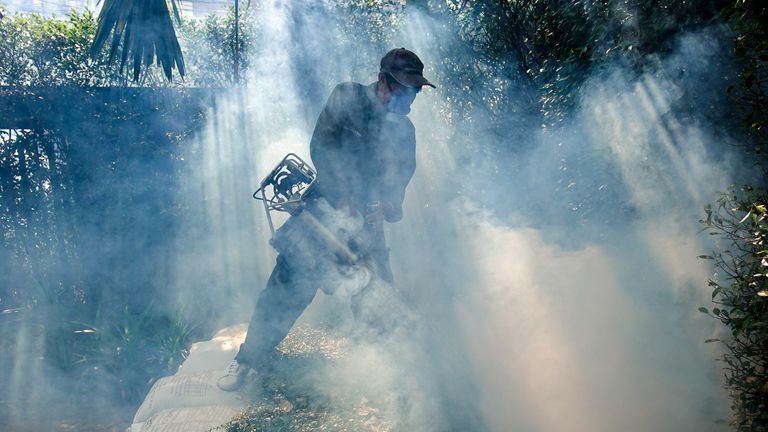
[(748, 21), (128, 351), (37, 51), (40, 51), (740, 291)]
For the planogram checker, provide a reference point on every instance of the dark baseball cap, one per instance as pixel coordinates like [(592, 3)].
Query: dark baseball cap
[(405, 67)]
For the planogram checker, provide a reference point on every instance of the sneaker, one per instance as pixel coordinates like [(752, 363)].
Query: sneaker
[(234, 376)]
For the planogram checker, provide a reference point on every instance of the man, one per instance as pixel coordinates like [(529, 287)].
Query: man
[(364, 151)]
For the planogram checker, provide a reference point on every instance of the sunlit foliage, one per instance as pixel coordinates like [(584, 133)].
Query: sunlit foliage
[(740, 293), (37, 51), (42, 51), (209, 47), (740, 288)]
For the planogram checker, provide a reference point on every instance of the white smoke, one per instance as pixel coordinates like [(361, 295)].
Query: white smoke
[(531, 322), (602, 335)]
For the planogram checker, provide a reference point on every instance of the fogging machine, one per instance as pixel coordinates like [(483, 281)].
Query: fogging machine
[(283, 189)]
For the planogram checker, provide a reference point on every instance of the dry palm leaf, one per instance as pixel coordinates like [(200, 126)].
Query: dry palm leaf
[(146, 31)]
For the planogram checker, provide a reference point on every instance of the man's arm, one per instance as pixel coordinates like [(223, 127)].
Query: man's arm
[(326, 149), (400, 164)]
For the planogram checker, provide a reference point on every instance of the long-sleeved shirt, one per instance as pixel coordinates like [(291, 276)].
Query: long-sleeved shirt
[(362, 153)]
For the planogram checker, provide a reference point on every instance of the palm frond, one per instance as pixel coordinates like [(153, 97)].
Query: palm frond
[(145, 30)]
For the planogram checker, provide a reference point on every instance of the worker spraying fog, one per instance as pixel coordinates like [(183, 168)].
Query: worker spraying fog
[(364, 150)]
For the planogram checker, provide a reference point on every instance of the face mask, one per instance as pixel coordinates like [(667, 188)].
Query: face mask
[(400, 102)]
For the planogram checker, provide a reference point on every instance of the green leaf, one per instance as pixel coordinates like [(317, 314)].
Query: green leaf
[(703, 310), (146, 31)]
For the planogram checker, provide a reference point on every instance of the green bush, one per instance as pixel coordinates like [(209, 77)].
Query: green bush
[(39, 51), (137, 347), (91, 326), (740, 291)]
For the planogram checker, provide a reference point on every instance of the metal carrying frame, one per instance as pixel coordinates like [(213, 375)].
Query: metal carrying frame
[(285, 186)]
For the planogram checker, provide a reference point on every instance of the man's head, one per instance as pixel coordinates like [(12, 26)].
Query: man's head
[(400, 79)]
